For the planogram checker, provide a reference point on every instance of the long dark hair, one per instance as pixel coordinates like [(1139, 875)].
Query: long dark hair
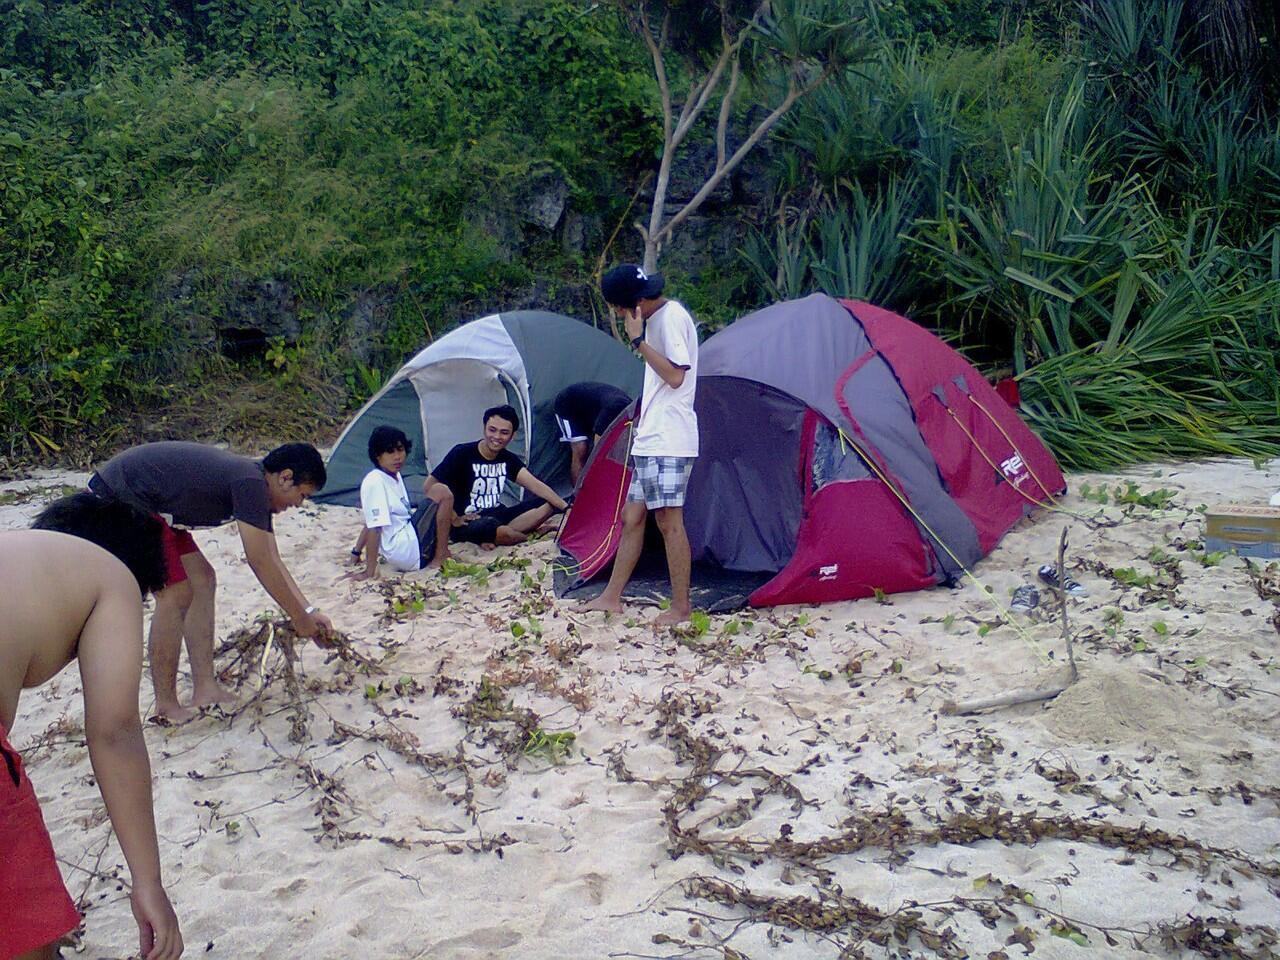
[(129, 534)]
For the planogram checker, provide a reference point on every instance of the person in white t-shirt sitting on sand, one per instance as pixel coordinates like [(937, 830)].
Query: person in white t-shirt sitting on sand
[(665, 442), (407, 540)]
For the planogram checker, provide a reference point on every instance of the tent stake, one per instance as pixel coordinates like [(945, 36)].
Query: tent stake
[(1015, 697)]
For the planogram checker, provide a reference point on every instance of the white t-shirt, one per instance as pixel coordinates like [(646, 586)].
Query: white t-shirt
[(668, 427), (386, 507)]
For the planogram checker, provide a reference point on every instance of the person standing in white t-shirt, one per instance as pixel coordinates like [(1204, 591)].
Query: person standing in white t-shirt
[(407, 540), (665, 439)]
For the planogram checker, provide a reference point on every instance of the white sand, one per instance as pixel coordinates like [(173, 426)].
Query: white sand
[(1157, 737)]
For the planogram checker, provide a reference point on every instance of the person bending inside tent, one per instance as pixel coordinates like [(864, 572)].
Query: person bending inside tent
[(407, 539), (584, 412), (665, 441), (189, 485), (52, 616), (474, 475)]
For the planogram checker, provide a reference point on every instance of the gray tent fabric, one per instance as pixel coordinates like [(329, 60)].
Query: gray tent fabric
[(804, 348), (557, 355), (883, 415), (439, 396), (349, 460), (800, 347), (742, 509)]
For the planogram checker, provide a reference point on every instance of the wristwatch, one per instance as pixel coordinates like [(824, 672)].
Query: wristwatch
[(635, 343)]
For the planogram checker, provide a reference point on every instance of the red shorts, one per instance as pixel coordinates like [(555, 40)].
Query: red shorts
[(175, 544), (34, 902)]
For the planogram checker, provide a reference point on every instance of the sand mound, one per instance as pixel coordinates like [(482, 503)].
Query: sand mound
[(1120, 707)]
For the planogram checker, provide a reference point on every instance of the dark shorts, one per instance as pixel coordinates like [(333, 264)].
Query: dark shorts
[(576, 430), (484, 529), (573, 431), (424, 524), (34, 902)]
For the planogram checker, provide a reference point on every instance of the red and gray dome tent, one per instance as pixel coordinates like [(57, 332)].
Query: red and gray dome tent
[(844, 450)]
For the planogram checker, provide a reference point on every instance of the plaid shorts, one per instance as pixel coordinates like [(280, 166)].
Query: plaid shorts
[(659, 481)]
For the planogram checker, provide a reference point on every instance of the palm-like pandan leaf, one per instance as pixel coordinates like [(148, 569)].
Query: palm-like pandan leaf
[(828, 32), (1193, 375), (859, 251), (1055, 232), (779, 260)]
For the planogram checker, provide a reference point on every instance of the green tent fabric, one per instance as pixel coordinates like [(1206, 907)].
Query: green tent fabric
[(524, 358)]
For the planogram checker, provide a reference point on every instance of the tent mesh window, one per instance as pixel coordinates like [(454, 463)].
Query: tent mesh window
[(620, 451), (835, 458)]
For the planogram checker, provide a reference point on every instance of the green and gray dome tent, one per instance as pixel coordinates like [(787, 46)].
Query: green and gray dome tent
[(523, 358)]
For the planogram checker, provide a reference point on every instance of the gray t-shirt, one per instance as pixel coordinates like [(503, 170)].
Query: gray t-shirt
[(189, 484)]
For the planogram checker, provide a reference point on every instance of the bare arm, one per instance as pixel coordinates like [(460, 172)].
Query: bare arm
[(372, 539), (264, 560), (110, 654), (671, 375), (539, 489)]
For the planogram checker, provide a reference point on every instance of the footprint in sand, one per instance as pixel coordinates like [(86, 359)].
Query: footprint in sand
[(595, 884), (477, 943)]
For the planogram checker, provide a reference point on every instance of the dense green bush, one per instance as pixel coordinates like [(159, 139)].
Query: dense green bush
[(146, 147), (1099, 214)]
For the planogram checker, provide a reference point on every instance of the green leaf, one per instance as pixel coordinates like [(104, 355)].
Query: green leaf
[(1037, 284)]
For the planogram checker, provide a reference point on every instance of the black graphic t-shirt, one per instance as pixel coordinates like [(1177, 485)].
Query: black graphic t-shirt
[(477, 483)]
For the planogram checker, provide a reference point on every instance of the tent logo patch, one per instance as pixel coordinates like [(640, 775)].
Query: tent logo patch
[(1014, 468), (829, 572)]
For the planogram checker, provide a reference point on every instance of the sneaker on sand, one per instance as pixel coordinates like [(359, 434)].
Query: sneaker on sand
[(1025, 599), (1049, 574)]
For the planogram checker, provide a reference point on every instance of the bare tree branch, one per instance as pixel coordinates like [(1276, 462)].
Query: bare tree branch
[(798, 48), (659, 65), (660, 235), (701, 92), (726, 108)]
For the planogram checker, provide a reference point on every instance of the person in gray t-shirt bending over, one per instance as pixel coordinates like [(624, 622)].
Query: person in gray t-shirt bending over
[(191, 485)]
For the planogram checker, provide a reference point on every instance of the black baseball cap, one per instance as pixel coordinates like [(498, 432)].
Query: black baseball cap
[(627, 284)]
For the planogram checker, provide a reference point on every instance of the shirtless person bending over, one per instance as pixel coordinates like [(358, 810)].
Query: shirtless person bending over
[(66, 598)]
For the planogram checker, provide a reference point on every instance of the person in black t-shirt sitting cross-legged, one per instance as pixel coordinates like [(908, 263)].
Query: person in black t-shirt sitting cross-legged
[(469, 482)]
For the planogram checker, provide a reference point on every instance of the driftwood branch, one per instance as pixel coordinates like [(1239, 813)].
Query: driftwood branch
[(1015, 697)]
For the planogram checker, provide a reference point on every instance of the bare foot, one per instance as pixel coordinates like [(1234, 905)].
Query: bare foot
[(438, 562), (209, 698), (670, 617), (173, 714), (603, 603), (488, 546)]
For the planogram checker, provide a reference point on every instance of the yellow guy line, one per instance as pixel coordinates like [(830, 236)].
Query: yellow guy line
[(617, 512), (1052, 503)]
